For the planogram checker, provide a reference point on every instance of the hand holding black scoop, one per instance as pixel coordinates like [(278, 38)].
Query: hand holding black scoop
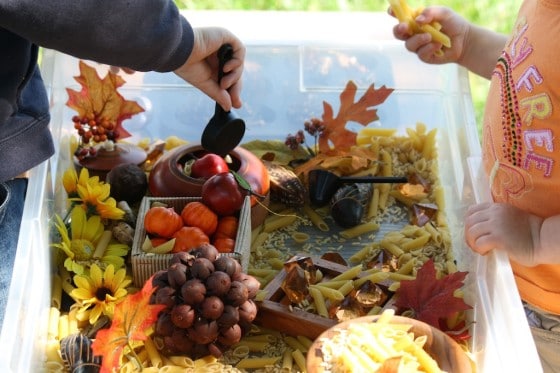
[(224, 131), (323, 184)]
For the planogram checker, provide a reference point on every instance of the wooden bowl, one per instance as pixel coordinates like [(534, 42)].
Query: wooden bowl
[(445, 351), (167, 178)]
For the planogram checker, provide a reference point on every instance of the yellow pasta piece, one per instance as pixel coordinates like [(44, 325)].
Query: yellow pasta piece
[(373, 206), (319, 301), (359, 229), (287, 360), (300, 237), (349, 274), (315, 218), (391, 247), (376, 131), (259, 241), (374, 277), (275, 223), (153, 354), (299, 358), (295, 343), (361, 254), (256, 362), (415, 243), (346, 288), (182, 361), (56, 293)]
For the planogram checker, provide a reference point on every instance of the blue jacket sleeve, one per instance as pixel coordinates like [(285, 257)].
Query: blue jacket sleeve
[(140, 34)]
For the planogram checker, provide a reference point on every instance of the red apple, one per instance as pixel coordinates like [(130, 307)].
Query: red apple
[(208, 165), (222, 194)]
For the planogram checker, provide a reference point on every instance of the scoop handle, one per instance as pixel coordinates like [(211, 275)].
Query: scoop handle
[(225, 53)]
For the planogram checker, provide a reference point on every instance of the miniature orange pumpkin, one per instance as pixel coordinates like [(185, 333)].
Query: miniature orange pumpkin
[(197, 214), (162, 221), (188, 238), (227, 227), (224, 244)]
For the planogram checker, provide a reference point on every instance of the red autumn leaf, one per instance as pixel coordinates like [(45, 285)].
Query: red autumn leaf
[(132, 317), (361, 111), (431, 299), (99, 99)]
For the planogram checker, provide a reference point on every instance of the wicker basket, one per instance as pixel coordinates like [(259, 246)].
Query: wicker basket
[(146, 264)]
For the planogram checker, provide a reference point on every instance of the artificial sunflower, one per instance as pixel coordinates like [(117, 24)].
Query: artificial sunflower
[(96, 200), (71, 180), (99, 291), (91, 193), (81, 243)]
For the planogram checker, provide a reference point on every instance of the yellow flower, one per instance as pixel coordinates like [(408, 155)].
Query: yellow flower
[(79, 246), (96, 199), (70, 180), (100, 291)]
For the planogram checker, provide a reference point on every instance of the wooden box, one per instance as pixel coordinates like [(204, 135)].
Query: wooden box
[(275, 312), (146, 264)]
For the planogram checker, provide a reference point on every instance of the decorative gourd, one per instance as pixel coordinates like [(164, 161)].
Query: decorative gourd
[(162, 221), (188, 238), (224, 244), (197, 214), (227, 227)]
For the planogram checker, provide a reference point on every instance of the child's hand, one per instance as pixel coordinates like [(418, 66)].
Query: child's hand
[(423, 44), (501, 226)]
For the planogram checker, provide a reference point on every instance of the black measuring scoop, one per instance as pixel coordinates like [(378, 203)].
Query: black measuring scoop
[(323, 184), (225, 130)]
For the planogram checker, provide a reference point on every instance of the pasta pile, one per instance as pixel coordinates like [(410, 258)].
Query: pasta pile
[(312, 231), (364, 347)]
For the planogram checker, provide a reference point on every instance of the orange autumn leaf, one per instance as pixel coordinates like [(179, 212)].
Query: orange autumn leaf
[(99, 99), (361, 111), (132, 317), (344, 162)]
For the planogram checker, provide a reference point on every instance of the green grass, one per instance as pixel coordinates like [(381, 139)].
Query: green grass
[(498, 15)]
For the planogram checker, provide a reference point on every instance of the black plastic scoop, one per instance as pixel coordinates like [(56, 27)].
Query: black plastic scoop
[(224, 131), (323, 184)]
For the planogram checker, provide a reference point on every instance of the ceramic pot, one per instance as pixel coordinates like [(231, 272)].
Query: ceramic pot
[(167, 178), (105, 160)]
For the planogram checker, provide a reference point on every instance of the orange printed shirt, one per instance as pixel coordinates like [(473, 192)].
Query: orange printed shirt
[(521, 134)]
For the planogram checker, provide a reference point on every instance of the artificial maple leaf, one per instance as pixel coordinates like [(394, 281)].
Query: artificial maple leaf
[(431, 299), (132, 317), (100, 100), (346, 162), (362, 112)]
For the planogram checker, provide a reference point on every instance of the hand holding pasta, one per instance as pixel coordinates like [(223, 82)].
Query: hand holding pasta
[(405, 14)]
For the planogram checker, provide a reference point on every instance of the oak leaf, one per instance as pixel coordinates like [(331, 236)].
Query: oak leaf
[(132, 317), (431, 299), (100, 100), (361, 111)]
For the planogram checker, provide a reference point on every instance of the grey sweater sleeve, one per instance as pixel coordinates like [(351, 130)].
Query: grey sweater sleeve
[(140, 34)]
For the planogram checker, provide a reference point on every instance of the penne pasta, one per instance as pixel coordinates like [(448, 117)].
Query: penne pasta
[(359, 229), (315, 218), (259, 241), (256, 362), (299, 358), (373, 206), (276, 222), (319, 301)]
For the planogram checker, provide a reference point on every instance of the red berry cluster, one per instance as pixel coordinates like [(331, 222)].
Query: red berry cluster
[(93, 130), (314, 127)]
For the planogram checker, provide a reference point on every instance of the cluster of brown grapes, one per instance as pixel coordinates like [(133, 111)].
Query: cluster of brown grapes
[(92, 130), (209, 303)]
